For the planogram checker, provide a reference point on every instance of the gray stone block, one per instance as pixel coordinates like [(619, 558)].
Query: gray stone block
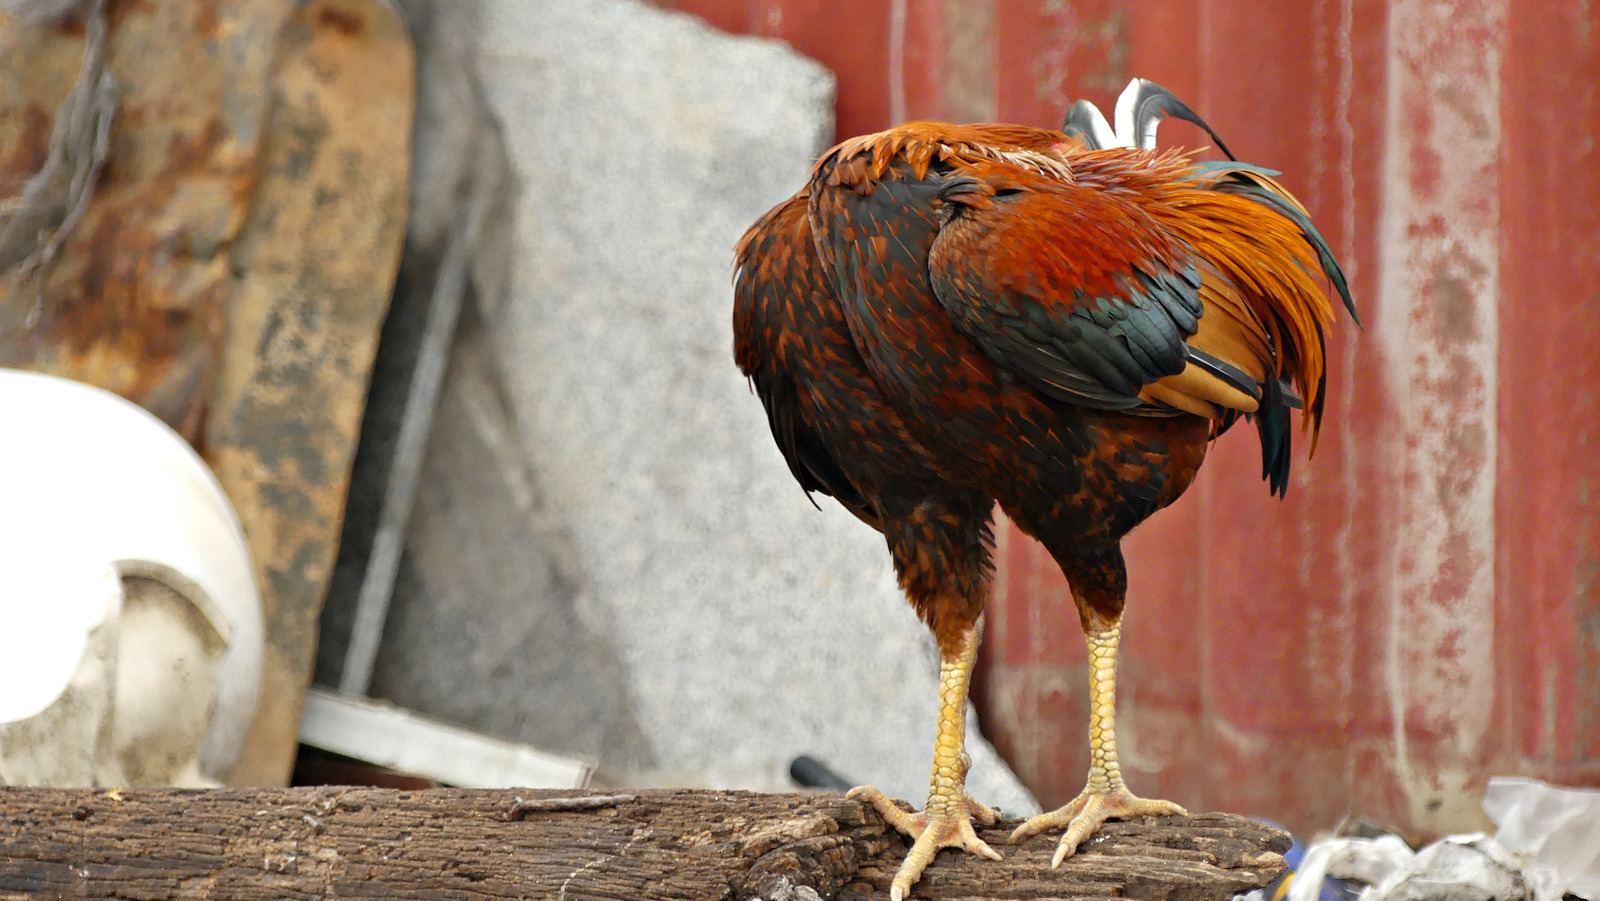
[(491, 624)]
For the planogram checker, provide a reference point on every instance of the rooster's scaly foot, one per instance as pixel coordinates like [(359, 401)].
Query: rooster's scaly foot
[(1086, 813), (931, 832)]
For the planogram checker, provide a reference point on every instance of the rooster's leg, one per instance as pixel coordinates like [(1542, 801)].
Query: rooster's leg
[(946, 820), (1104, 797)]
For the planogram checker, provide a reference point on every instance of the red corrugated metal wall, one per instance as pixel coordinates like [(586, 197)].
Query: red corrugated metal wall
[(1424, 610)]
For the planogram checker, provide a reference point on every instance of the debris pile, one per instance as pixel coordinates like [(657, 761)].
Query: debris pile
[(1547, 848)]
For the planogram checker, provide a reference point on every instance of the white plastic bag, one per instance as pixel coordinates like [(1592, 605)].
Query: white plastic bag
[(1365, 860), (1457, 868), (1554, 833)]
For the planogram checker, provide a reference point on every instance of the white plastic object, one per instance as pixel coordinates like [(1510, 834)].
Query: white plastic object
[(381, 733), (130, 623), (1554, 832), (1365, 860), (1455, 868)]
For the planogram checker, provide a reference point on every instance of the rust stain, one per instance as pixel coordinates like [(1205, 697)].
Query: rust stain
[(1464, 104), (117, 12), (1455, 316), (191, 150), (345, 23), (108, 301), (207, 22), (1586, 615), (74, 26), (1587, 671), (1426, 164), (132, 304), (30, 155), (1437, 327)]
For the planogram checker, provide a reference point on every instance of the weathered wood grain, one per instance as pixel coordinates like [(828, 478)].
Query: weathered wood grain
[(463, 844)]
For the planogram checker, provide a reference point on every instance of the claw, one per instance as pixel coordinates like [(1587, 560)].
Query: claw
[(931, 833), (891, 812), (1086, 813), (982, 812)]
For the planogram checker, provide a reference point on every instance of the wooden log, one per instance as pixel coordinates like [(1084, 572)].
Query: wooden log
[(313, 843)]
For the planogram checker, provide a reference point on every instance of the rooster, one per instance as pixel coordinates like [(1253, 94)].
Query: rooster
[(951, 317)]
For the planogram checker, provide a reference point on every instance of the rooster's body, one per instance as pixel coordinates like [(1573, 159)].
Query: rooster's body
[(953, 317)]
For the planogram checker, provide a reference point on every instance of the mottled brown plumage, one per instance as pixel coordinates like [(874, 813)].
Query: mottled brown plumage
[(952, 317)]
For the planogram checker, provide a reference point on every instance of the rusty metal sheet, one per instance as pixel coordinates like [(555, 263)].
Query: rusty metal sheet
[(1418, 614), (1424, 609), (312, 272), (1548, 583), (133, 302)]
